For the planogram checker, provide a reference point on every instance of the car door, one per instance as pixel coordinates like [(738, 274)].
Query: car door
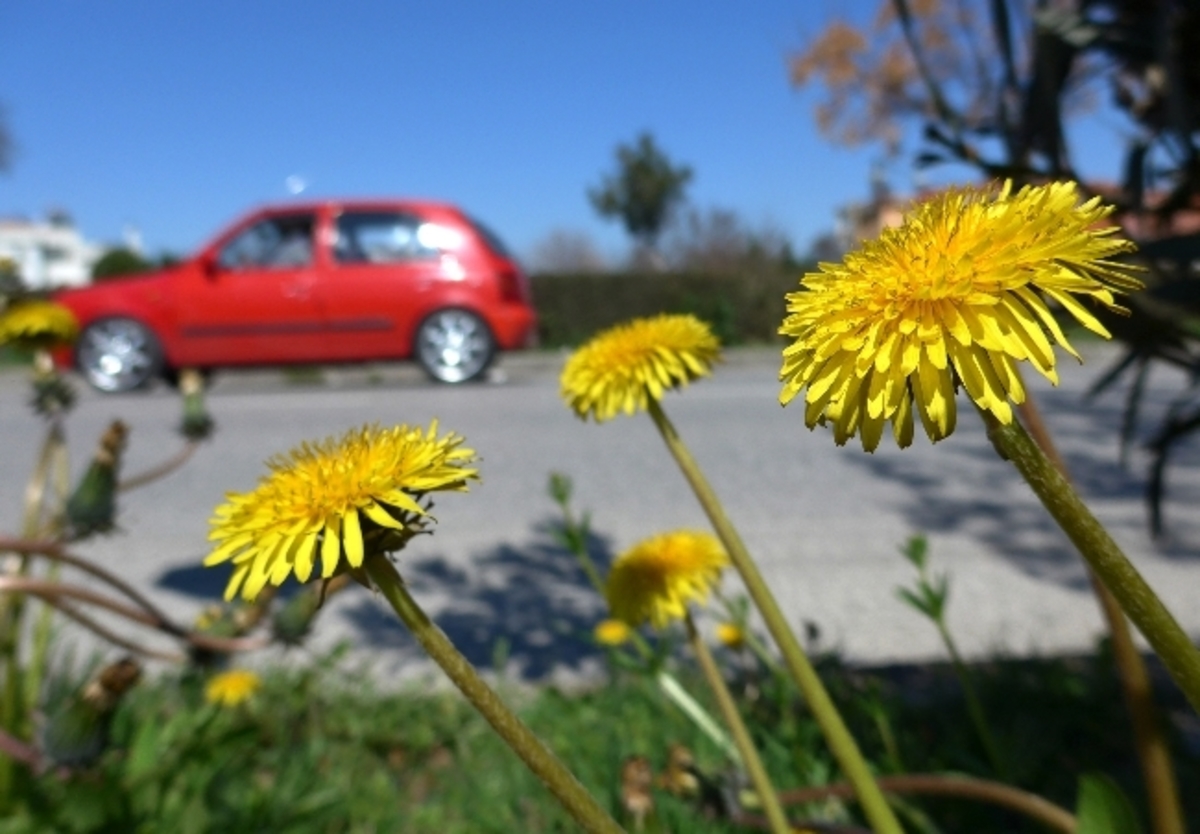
[(380, 271), (254, 300)]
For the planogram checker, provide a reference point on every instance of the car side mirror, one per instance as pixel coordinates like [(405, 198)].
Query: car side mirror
[(210, 267)]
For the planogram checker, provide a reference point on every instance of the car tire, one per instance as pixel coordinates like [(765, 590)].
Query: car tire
[(454, 345), (118, 354)]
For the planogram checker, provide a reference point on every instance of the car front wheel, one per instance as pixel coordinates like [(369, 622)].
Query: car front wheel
[(454, 346), (118, 354)]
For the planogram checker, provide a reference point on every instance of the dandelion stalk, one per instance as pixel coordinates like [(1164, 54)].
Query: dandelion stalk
[(1154, 756), (574, 537), (1111, 565), (741, 736), (43, 628), (536, 756), (837, 735)]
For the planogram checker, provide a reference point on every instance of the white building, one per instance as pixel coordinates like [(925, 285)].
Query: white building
[(48, 254)]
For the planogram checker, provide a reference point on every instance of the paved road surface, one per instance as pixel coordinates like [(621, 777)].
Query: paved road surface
[(824, 522)]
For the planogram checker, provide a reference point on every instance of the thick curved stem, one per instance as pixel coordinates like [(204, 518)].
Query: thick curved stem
[(1154, 756), (737, 727), (837, 735), (1111, 565), (532, 751)]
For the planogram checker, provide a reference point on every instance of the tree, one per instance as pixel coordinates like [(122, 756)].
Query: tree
[(1003, 113), (643, 192), (117, 262), (992, 83), (718, 240), (566, 251)]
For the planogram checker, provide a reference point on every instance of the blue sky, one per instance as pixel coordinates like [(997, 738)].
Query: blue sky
[(175, 117)]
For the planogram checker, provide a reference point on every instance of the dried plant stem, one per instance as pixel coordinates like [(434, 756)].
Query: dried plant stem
[(837, 736), (52, 591), (968, 787), (54, 551), (161, 470), (741, 736), (91, 625), (1158, 771), (1111, 565), (536, 756)]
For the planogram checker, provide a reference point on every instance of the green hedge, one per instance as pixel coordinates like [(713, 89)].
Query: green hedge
[(741, 308)]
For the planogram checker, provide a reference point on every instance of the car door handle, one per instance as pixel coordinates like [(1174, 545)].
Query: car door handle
[(298, 288)]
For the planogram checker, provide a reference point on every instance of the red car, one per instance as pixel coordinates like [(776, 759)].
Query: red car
[(334, 281)]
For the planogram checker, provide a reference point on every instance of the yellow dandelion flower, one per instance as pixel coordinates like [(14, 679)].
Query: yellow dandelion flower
[(344, 499), (956, 295), (730, 635), (656, 578), (228, 689), (612, 632), (626, 366), (37, 324)]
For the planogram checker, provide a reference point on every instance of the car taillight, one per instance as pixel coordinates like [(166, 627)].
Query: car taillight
[(512, 286)]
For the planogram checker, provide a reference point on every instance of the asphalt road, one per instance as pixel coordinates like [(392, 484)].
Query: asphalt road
[(825, 523)]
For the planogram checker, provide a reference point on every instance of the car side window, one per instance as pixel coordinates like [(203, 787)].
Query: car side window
[(274, 243), (380, 237)]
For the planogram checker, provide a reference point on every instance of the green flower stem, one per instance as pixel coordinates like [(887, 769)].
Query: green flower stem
[(741, 736), (1118, 574), (12, 703), (1154, 755), (43, 628), (537, 757), (974, 705), (688, 705), (837, 736)]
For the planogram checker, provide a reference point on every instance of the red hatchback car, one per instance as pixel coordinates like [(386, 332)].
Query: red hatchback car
[(333, 281)]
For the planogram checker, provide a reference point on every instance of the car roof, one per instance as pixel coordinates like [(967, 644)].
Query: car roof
[(412, 203)]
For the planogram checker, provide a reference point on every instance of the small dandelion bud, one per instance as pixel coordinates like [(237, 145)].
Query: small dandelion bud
[(92, 507), (74, 729), (197, 423)]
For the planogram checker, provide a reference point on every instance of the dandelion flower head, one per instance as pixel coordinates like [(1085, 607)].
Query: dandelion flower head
[(956, 294), (730, 635), (656, 579), (343, 498), (612, 632), (37, 324), (626, 366), (228, 689)]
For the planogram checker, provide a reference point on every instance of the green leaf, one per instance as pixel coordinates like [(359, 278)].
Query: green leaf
[(1103, 808), (917, 602), (915, 550)]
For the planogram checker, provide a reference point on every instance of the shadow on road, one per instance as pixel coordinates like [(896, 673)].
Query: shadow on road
[(962, 487), (531, 603)]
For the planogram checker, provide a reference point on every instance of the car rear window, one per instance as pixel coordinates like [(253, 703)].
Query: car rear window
[(492, 239)]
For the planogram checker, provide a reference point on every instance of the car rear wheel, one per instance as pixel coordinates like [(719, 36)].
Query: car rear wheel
[(454, 346), (118, 354)]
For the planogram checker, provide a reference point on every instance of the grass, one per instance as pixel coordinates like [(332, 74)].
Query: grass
[(322, 750)]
